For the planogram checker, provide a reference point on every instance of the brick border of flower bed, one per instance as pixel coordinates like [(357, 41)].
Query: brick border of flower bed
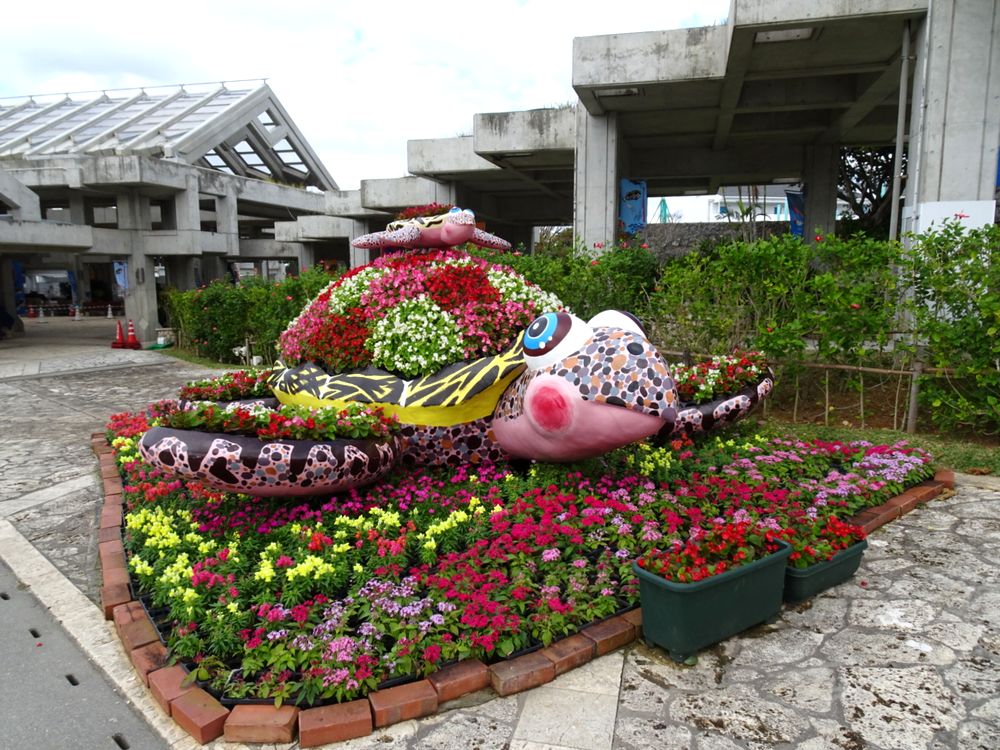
[(878, 516), (206, 719)]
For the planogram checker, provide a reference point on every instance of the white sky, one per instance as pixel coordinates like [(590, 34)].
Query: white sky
[(359, 79)]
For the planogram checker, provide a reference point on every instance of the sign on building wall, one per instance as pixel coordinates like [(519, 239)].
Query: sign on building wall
[(121, 277), (796, 211), (632, 206)]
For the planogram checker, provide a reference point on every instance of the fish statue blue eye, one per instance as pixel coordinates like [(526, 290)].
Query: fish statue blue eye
[(552, 337)]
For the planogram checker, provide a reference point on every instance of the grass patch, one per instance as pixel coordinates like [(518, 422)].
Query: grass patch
[(186, 356), (949, 453)]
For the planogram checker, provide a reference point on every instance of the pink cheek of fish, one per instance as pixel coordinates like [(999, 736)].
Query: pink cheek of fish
[(549, 408)]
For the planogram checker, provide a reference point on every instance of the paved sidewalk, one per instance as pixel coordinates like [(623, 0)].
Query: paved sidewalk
[(906, 655)]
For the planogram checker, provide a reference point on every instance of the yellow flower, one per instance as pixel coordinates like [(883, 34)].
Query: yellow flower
[(265, 572)]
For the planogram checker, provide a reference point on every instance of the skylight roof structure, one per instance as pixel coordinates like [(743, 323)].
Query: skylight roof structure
[(243, 132)]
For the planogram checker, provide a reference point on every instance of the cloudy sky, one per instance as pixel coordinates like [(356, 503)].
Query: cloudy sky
[(359, 79)]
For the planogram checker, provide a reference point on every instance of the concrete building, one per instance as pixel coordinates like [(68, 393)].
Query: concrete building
[(772, 95), (767, 98), (183, 181)]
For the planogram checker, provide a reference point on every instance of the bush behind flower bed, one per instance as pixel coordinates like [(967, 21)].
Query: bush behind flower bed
[(221, 316), (839, 300)]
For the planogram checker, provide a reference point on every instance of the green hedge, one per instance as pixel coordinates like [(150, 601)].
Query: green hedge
[(855, 301), (955, 278), (215, 319), (619, 279)]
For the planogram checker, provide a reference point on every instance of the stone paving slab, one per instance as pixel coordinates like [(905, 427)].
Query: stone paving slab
[(50, 485)]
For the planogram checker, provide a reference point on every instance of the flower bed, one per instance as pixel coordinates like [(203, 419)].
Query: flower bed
[(718, 376), (230, 386), (356, 421), (324, 601)]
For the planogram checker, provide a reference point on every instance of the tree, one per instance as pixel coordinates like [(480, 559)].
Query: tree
[(865, 183)]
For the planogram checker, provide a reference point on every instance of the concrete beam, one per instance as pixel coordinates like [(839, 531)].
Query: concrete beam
[(22, 201), (517, 133), (778, 159), (44, 236), (44, 176), (280, 195), (618, 65), (740, 48), (113, 242), (445, 156), (313, 228), (348, 203), (874, 94), (143, 171), (783, 12), (393, 194), (261, 249)]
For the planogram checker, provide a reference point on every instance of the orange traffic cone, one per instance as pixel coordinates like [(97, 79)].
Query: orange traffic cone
[(133, 342), (119, 342)]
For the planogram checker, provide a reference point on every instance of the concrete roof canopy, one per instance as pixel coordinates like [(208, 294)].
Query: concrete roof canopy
[(738, 103), (244, 132)]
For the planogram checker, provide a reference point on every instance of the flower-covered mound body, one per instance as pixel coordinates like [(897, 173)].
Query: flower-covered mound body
[(322, 601), (413, 313)]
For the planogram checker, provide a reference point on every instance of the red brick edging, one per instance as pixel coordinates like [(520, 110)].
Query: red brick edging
[(205, 719)]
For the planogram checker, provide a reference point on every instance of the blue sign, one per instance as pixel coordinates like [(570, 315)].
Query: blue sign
[(20, 300), (632, 206), (796, 211), (121, 273)]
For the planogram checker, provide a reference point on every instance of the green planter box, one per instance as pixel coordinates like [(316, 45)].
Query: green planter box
[(683, 618), (803, 583)]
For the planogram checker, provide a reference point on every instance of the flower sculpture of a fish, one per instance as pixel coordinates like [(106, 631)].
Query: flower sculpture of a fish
[(553, 388)]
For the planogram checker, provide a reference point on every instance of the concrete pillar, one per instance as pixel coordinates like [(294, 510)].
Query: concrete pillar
[(820, 178), (77, 209), (955, 115), (213, 267), (305, 257), (182, 271), (82, 279), (8, 302), (358, 256), (186, 209), (140, 298), (595, 183), (227, 222)]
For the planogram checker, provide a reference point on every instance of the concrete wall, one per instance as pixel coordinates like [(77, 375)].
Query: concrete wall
[(676, 239), (954, 127)]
